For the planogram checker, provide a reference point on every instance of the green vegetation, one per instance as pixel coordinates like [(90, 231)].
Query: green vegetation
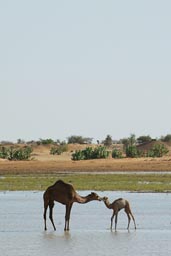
[(130, 147), (45, 142), (166, 138), (117, 153), (58, 150), (144, 139), (90, 153), (131, 150), (157, 150), (15, 153), (108, 141), (79, 139), (99, 182)]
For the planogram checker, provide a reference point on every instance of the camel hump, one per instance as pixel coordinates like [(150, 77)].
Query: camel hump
[(65, 188), (119, 199), (59, 182)]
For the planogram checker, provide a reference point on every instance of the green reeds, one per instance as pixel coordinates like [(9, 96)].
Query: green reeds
[(97, 182)]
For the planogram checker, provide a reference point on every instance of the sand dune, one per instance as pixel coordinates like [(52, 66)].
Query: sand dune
[(43, 162)]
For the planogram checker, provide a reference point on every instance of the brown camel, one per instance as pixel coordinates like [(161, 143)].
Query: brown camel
[(116, 206), (64, 193)]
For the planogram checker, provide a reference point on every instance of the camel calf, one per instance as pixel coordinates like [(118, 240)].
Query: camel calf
[(116, 206)]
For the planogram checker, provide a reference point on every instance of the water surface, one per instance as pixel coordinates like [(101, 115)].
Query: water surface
[(21, 226)]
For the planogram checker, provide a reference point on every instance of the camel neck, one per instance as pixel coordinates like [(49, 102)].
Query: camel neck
[(107, 203), (82, 199)]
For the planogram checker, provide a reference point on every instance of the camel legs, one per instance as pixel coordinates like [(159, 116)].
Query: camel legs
[(116, 219), (133, 220), (67, 216), (128, 212), (51, 205), (129, 219), (45, 210), (112, 220)]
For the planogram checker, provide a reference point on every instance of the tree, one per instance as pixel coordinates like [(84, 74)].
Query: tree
[(130, 146), (20, 141), (167, 138), (144, 139), (132, 140), (46, 141), (125, 141), (108, 141), (79, 139)]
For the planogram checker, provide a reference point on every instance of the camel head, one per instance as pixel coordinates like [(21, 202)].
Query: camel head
[(94, 196), (105, 199)]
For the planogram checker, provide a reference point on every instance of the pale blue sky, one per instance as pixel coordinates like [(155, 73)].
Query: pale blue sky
[(87, 68)]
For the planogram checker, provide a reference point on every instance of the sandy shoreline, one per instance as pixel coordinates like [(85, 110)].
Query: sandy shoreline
[(43, 162), (102, 165)]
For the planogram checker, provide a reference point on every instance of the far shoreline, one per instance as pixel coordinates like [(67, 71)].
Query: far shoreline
[(58, 165)]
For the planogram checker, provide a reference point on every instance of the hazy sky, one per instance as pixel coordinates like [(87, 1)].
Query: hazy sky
[(88, 68)]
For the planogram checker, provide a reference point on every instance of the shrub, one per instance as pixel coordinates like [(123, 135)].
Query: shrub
[(90, 153), (132, 151), (78, 155), (13, 153), (130, 147), (58, 150), (45, 141), (117, 153), (100, 152), (157, 150), (3, 152)]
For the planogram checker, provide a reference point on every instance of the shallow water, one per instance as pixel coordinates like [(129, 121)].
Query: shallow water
[(21, 226)]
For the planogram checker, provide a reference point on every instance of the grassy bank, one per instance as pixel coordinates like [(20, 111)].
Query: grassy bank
[(101, 182)]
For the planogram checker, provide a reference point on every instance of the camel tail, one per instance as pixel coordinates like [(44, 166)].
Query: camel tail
[(46, 199)]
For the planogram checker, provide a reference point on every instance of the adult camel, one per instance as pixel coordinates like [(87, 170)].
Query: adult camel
[(116, 206), (65, 194)]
